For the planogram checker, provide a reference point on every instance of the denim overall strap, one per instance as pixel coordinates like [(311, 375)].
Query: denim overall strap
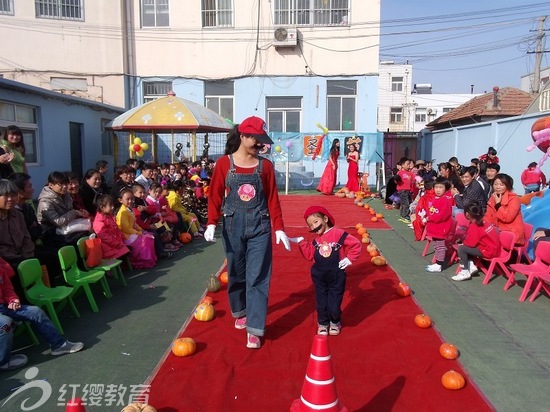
[(329, 281), (247, 241)]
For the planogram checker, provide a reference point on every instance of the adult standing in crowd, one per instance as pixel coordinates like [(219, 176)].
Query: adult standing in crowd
[(13, 143)]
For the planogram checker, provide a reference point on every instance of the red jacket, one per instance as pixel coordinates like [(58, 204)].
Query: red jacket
[(533, 176), (351, 248), (112, 239), (485, 238), (7, 295), (407, 180), (440, 216), (508, 216)]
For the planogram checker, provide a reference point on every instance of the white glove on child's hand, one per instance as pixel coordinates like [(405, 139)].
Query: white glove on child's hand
[(344, 263), (296, 239), (422, 213), (281, 236), (209, 233)]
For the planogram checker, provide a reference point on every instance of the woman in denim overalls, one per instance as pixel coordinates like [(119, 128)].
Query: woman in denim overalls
[(243, 187)]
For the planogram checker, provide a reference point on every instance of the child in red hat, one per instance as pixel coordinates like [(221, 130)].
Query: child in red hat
[(332, 251)]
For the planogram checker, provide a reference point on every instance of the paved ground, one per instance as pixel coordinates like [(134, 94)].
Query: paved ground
[(503, 342)]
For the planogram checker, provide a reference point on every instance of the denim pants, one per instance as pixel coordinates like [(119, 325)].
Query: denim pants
[(38, 320), (532, 187), (405, 196), (248, 248)]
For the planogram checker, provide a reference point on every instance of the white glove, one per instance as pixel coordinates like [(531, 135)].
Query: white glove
[(422, 213), (344, 263), (209, 233), (281, 236), (296, 239)]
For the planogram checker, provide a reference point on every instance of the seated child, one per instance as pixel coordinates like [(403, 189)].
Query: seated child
[(481, 240), (11, 310), (140, 242), (422, 209), (332, 251), (174, 199), (438, 220), (105, 228)]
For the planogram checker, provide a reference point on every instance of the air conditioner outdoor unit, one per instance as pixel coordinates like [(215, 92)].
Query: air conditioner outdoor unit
[(285, 37), (430, 111)]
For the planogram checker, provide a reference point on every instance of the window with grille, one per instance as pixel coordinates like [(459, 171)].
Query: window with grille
[(6, 7), (25, 118), (60, 9), (341, 98), (154, 90), (311, 12), (155, 13), (219, 97), (284, 114), (397, 84), (217, 13), (396, 115), (420, 117)]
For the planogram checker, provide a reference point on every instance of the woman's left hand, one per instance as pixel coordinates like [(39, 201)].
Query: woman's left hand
[(281, 236)]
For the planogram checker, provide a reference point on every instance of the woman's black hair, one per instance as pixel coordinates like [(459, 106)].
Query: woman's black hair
[(56, 177), (333, 148), (440, 180), (233, 140), (475, 211), (89, 173), (491, 151), (20, 179), (104, 200), (506, 180)]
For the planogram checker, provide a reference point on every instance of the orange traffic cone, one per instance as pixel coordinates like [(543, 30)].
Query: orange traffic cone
[(75, 405), (319, 390)]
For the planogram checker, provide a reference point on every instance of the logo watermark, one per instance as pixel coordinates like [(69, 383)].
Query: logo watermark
[(94, 394)]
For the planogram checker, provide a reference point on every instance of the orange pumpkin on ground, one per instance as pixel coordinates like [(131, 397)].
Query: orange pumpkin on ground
[(403, 289), (423, 321), (185, 237), (184, 347), (138, 407), (224, 277), (361, 231), (374, 253), (374, 219), (367, 206), (448, 351), (378, 261), (207, 299), (371, 248), (453, 380), (358, 226), (204, 312), (365, 240), (379, 215)]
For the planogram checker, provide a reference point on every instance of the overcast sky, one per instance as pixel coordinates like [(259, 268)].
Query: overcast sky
[(456, 44)]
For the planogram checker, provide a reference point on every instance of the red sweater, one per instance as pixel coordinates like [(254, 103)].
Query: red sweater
[(407, 180), (217, 191), (533, 176), (351, 248), (7, 295), (485, 238), (439, 215)]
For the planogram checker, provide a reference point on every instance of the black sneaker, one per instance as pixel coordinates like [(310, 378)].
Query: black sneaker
[(67, 347), (15, 362)]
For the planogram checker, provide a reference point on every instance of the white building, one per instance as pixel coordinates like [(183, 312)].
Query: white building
[(526, 82)]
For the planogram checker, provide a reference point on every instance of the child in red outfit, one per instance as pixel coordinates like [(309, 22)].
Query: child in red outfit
[(421, 210), (331, 252), (438, 219), (532, 178), (112, 239), (482, 240), (404, 188)]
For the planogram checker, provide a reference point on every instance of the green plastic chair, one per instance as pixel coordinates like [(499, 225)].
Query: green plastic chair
[(81, 279), (108, 265), (30, 274)]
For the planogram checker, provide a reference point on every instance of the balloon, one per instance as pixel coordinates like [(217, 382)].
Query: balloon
[(131, 148), (139, 153), (278, 149), (288, 144), (144, 146), (137, 148), (137, 140)]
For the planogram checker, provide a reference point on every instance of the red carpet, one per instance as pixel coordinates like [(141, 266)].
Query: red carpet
[(382, 361)]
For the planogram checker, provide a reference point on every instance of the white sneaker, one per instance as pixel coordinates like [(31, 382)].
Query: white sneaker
[(435, 267), (472, 268), (464, 274)]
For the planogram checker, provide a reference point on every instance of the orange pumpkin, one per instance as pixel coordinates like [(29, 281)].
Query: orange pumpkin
[(358, 226), (207, 299), (204, 312), (224, 277), (403, 289), (365, 240), (361, 231), (379, 215), (374, 219), (367, 206), (378, 261), (448, 351), (374, 253), (138, 407), (372, 212), (423, 321), (184, 347), (453, 380), (185, 237), (372, 247)]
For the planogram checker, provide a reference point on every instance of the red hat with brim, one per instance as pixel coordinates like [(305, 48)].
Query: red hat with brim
[(318, 209), (255, 127)]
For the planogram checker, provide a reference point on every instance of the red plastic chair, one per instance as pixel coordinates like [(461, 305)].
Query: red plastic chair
[(507, 245), (522, 250), (538, 271)]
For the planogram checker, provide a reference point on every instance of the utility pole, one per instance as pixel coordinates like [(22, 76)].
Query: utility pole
[(538, 55)]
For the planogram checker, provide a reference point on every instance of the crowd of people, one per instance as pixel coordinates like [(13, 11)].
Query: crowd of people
[(469, 205), (140, 214)]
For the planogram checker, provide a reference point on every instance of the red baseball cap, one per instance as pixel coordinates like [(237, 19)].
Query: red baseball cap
[(318, 209), (255, 127)]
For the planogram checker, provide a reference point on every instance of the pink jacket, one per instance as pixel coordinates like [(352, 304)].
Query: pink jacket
[(112, 239)]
